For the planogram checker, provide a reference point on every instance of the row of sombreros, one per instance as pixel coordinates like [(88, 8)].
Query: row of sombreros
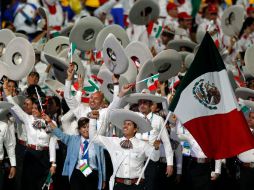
[(89, 34)]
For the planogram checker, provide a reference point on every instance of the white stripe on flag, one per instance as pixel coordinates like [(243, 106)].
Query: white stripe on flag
[(189, 107)]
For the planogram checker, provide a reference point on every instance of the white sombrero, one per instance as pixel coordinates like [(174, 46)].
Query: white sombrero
[(19, 59), (114, 29), (55, 45), (184, 54), (130, 75), (144, 11), (248, 59), (188, 60), (135, 97), (61, 64), (56, 87), (106, 76), (244, 93), (75, 60), (6, 36), (84, 33), (145, 71), (138, 53), (167, 63), (179, 44), (114, 56), (232, 20), (4, 110), (118, 116)]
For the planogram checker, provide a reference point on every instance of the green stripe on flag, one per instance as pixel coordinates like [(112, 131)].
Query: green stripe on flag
[(207, 60), (72, 49), (157, 35)]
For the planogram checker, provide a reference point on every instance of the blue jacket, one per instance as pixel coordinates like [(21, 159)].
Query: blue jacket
[(73, 145)]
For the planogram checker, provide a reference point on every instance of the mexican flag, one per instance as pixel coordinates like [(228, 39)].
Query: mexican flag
[(86, 92), (206, 105), (72, 49), (152, 82)]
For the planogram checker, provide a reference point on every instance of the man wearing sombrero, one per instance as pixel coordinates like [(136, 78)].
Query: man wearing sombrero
[(82, 110), (127, 153), (145, 101)]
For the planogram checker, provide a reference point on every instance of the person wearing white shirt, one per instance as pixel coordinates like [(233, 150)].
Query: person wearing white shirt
[(144, 101), (40, 145), (199, 172), (247, 161), (80, 109), (172, 15), (127, 153), (6, 140), (86, 169)]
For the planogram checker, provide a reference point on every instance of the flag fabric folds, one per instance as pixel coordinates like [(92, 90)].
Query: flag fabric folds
[(206, 105)]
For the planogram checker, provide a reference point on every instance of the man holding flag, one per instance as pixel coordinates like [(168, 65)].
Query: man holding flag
[(212, 116)]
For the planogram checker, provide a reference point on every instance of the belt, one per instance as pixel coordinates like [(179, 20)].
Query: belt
[(36, 147), (163, 160), (22, 142), (127, 181), (248, 165), (202, 160)]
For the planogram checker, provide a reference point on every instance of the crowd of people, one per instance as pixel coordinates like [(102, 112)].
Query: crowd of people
[(86, 86)]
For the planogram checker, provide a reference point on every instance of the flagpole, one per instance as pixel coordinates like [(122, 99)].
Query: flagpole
[(71, 52), (39, 98), (143, 80), (158, 138)]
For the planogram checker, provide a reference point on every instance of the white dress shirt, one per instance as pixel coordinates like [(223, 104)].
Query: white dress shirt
[(6, 140), (80, 109), (132, 165), (37, 137), (157, 123)]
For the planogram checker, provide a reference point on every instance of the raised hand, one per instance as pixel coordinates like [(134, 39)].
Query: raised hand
[(80, 82), (70, 71), (125, 89)]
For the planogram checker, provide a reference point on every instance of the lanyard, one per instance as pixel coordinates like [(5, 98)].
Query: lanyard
[(151, 119)]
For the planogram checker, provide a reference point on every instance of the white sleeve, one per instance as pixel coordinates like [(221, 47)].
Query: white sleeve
[(52, 148), (150, 150), (167, 145), (218, 166), (23, 116), (10, 147), (103, 141)]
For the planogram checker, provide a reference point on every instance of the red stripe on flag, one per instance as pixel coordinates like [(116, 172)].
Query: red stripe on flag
[(222, 135)]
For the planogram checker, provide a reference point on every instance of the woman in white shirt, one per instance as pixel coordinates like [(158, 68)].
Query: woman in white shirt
[(40, 145)]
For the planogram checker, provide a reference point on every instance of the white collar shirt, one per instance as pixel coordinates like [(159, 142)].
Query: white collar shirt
[(7, 141), (131, 166)]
